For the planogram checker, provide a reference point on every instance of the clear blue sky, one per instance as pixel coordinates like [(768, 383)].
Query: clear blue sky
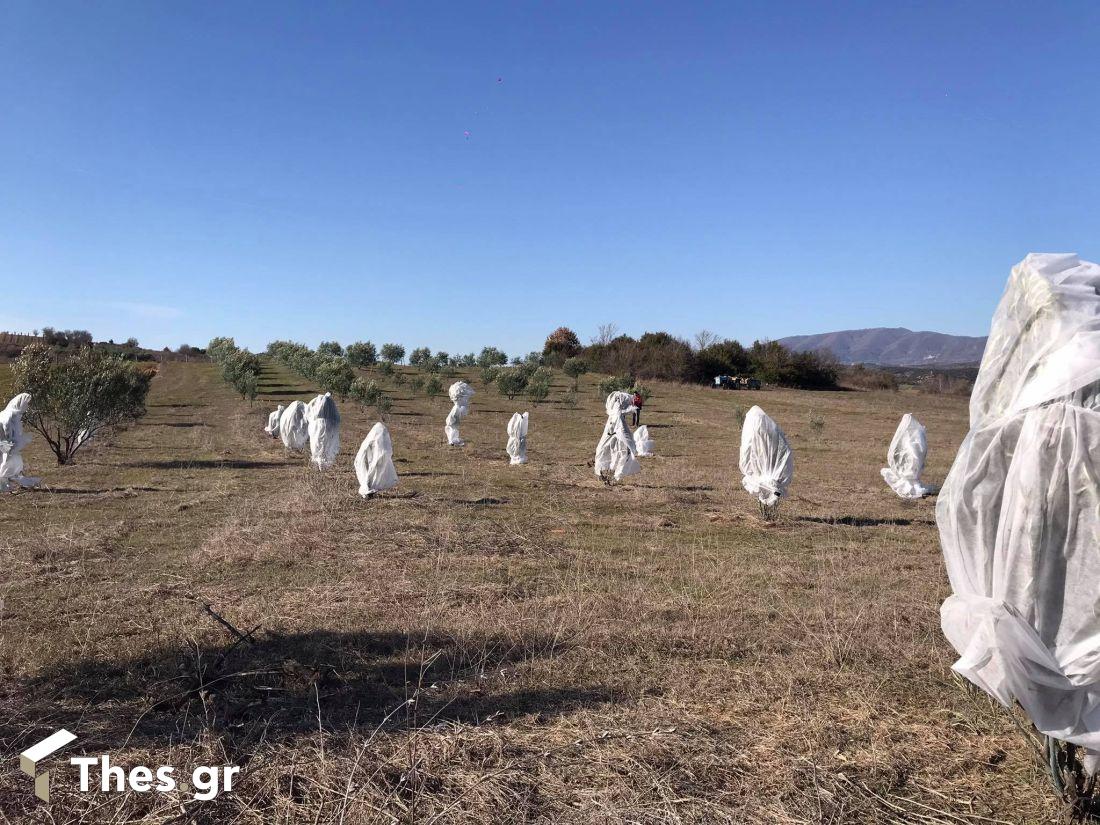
[(458, 174)]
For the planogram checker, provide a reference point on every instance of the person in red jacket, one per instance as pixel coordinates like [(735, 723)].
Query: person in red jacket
[(638, 401)]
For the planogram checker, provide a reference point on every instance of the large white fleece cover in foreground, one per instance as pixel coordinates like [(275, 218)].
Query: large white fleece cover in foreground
[(323, 424), (1019, 513), (615, 450), (272, 427), (905, 459), (460, 393), (374, 462), (293, 426), (517, 438), (767, 465)]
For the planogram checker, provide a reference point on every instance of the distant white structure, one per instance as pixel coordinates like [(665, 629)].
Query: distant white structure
[(905, 459), (293, 427), (767, 465), (323, 425), (374, 462), (615, 451), (517, 438), (643, 444), (272, 428), (12, 442), (460, 393)]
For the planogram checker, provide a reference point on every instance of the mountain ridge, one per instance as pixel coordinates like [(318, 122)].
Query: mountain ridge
[(892, 346)]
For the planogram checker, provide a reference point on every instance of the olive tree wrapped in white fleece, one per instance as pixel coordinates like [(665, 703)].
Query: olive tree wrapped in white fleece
[(615, 451), (767, 465), (1019, 513)]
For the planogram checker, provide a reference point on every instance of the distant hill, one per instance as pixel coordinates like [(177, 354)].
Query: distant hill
[(897, 347)]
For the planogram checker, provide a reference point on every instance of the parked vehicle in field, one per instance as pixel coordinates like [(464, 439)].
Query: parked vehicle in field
[(735, 382)]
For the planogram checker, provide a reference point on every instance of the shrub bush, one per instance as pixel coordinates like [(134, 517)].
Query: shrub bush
[(613, 384), (511, 381), (335, 375), (574, 368), (861, 377), (75, 398), (560, 345), (393, 353), (491, 357), (362, 354)]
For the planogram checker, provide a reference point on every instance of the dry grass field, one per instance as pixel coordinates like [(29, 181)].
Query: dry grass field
[(491, 643)]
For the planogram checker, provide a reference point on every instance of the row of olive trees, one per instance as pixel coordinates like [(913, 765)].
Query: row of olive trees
[(327, 366), (332, 368), (240, 368), (74, 398)]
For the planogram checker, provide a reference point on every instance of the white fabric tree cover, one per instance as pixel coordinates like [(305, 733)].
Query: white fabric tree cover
[(293, 426), (767, 465), (905, 458), (615, 450), (460, 393), (12, 443), (643, 444), (517, 438), (1019, 513), (272, 428), (374, 462), (323, 424)]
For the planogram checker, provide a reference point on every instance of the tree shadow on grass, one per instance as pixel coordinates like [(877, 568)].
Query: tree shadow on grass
[(683, 488), (861, 521), (292, 395), (206, 464), (76, 491), (181, 424), (275, 686)]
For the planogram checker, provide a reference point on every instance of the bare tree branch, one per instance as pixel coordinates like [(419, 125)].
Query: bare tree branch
[(606, 333)]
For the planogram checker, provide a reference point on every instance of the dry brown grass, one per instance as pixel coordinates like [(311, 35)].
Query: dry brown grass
[(495, 643)]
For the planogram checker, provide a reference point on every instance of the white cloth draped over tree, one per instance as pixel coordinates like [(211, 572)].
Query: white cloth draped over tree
[(615, 451), (766, 461), (323, 425), (1019, 512), (460, 393), (905, 459), (13, 440), (293, 427), (517, 438), (272, 428), (374, 462)]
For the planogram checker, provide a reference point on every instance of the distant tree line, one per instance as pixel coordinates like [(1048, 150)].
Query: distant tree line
[(659, 355), (66, 337)]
